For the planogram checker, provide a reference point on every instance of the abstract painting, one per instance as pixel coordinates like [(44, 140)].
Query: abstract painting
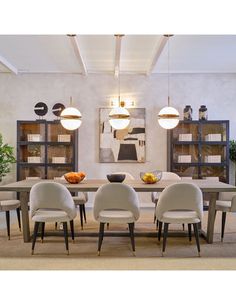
[(126, 145)]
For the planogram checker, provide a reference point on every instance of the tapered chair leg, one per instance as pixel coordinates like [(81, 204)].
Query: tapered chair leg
[(189, 232), (166, 225), (100, 239), (131, 230), (55, 225), (81, 216), (159, 230), (72, 230), (65, 229), (157, 222), (223, 225), (42, 231), (8, 223), (84, 212), (154, 219), (36, 228), (18, 217), (183, 226), (108, 226), (196, 233)]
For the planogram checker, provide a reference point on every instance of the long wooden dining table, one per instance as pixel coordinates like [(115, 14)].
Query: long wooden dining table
[(213, 188)]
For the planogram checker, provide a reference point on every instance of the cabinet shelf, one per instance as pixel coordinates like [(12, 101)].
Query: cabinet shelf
[(46, 149), (199, 149)]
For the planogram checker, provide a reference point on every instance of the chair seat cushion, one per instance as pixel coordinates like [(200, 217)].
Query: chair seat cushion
[(7, 205), (46, 215), (116, 216), (180, 217), (79, 199), (224, 206)]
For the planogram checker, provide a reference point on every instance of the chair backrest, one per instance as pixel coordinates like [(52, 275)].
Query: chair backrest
[(170, 176), (226, 196), (128, 176), (51, 195), (180, 196), (7, 195), (116, 196)]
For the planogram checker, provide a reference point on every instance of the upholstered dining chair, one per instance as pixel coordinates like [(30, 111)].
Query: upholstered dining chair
[(51, 202), (226, 203), (116, 203), (156, 195), (80, 199), (7, 204), (180, 203)]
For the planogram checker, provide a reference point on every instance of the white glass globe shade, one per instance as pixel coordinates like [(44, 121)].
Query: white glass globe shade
[(71, 118), (119, 118), (168, 117)]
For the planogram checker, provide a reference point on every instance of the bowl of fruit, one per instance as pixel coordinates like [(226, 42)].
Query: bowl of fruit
[(151, 177), (74, 177)]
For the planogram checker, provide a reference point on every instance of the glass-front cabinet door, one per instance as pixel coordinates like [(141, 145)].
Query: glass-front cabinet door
[(45, 149)]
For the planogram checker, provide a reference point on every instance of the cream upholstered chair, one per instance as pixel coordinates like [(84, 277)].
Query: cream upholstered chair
[(7, 204), (128, 177), (51, 202), (225, 204), (116, 203), (180, 203), (80, 200), (156, 195)]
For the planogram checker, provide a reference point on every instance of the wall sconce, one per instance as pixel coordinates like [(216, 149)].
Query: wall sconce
[(128, 103)]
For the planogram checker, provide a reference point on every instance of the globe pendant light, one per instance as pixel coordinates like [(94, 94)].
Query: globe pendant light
[(168, 117), (119, 117), (71, 117)]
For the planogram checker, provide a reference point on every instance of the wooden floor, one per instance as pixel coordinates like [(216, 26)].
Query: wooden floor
[(116, 251)]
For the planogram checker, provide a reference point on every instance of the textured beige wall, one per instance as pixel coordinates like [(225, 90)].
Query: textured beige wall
[(19, 94)]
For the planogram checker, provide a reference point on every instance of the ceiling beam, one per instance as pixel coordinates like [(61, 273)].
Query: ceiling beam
[(117, 54), (8, 65), (159, 48), (76, 47)]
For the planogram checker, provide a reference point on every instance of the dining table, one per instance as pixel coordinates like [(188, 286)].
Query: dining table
[(212, 188)]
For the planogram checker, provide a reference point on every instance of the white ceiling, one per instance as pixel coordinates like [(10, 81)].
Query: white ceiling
[(139, 54)]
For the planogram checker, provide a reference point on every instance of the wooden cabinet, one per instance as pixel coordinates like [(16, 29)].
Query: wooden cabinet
[(199, 149), (45, 149)]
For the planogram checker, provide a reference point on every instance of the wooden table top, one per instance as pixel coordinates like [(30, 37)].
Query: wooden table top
[(91, 185)]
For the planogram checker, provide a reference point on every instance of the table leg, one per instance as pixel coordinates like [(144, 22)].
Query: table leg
[(24, 199), (211, 218)]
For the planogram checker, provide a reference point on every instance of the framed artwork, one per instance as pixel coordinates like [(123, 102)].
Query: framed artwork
[(126, 145)]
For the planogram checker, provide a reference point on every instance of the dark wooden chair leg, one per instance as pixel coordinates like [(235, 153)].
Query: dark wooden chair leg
[(72, 230), (18, 217), (159, 230), (84, 212), (189, 232), (42, 230), (36, 228), (101, 234), (55, 225), (154, 219), (8, 223), (81, 216), (183, 226), (196, 233), (131, 231), (157, 222), (223, 225), (65, 229), (108, 226), (166, 225)]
